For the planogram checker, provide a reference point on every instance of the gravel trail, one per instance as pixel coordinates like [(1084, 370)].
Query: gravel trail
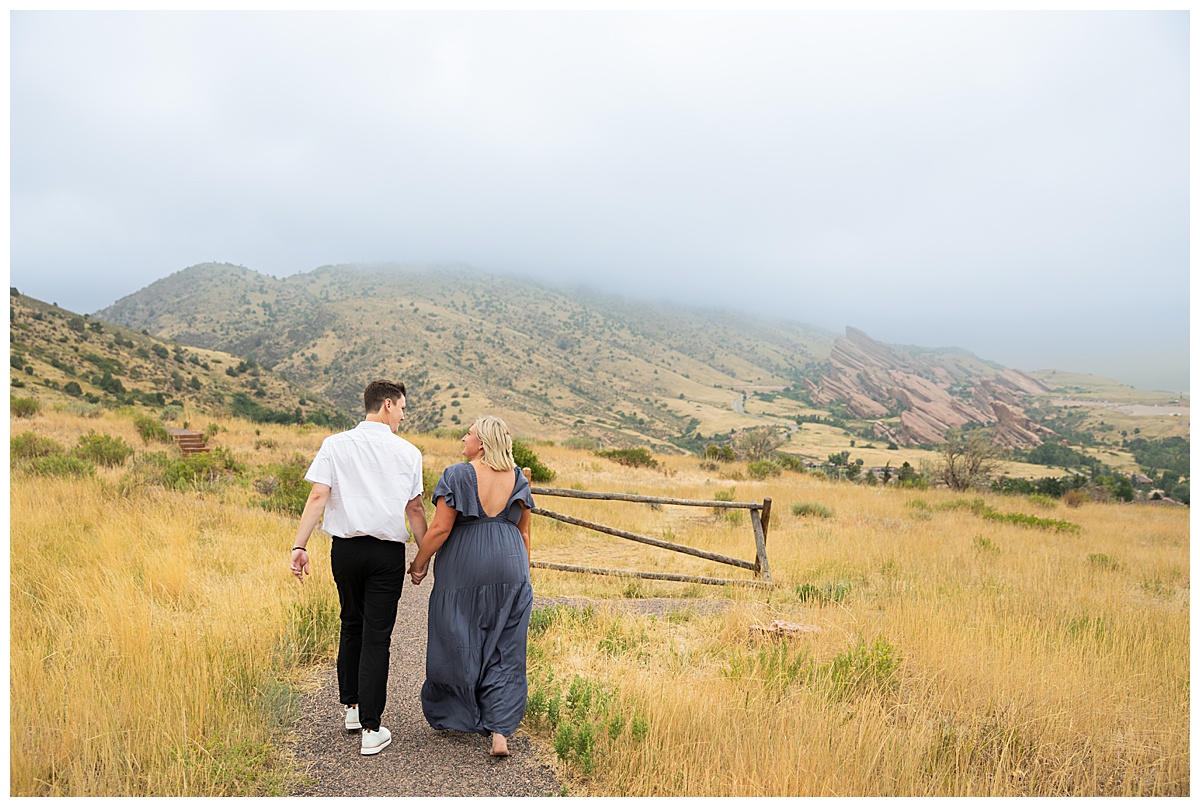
[(419, 761)]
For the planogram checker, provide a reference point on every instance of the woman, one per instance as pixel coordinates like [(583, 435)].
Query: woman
[(481, 599)]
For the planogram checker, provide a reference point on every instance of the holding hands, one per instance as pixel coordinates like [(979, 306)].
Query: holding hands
[(417, 573)]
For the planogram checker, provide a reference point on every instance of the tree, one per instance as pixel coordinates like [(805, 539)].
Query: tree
[(968, 460), (757, 443)]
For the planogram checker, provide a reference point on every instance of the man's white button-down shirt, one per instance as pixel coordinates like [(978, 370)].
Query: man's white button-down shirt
[(372, 474)]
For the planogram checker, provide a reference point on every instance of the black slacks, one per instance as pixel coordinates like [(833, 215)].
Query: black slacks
[(369, 574)]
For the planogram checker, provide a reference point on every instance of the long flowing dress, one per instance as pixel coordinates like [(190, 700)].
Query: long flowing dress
[(478, 612)]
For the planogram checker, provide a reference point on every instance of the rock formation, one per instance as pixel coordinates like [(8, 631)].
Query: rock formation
[(929, 391)]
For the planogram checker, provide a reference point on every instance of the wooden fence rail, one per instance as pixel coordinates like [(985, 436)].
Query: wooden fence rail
[(760, 515)]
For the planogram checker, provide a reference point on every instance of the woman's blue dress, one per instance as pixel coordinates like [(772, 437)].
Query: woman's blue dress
[(478, 612)]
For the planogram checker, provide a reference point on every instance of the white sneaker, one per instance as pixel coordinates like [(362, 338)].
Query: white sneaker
[(352, 723), (375, 741)]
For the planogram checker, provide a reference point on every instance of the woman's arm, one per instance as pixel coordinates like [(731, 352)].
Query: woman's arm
[(523, 527), (435, 536)]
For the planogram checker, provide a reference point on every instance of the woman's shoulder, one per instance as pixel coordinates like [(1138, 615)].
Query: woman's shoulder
[(455, 476), (458, 469), (521, 488)]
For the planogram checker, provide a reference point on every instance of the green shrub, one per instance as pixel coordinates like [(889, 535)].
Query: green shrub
[(61, 465), (30, 445), (541, 619), (103, 449), (200, 470), (283, 487), (1076, 497), (802, 509), (1105, 562), (716, 453), (633, 457), (830, 591), (146, 468), (582, 720), (24, 407), (1033, 522), (525, 458), (976, 506), (733, 516), (1086, 627), (789, 463), (761, 469), (1043, 500), (984, 544), (150, 429), (772, 668), (861, 669)]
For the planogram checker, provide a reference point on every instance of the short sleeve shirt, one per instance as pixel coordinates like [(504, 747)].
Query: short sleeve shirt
[(372, 474)]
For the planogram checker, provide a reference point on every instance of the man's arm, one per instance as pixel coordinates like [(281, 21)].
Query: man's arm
[(415, 510), (313, 508)]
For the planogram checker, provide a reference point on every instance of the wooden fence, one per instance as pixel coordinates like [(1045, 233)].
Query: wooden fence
[(760, 520)]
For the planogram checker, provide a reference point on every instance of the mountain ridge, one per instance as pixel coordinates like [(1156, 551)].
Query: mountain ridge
[(571, 361), (543, 354)]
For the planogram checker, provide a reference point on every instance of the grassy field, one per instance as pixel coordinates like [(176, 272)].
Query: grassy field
[(959, 653)]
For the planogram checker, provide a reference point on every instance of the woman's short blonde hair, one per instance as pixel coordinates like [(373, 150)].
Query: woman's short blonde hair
[(497, 443)]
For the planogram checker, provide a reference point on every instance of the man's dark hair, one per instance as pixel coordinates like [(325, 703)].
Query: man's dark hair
[(378, 391)]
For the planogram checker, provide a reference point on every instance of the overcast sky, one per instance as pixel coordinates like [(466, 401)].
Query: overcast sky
[(1012, 183)]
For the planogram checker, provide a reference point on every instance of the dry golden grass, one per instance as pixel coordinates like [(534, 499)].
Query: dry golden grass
[(157, 637), (1032, 662)]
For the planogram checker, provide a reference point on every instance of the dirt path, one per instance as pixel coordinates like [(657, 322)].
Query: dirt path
[(739, 406), (420, 761)]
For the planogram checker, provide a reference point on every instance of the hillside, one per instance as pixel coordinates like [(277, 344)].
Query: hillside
[(913, 396), (563, 363), (550, 361), (60, 356)]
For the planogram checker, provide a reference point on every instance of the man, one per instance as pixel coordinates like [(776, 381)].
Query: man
[(365, 480)]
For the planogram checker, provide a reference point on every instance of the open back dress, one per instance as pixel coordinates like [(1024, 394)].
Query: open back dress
[(478, 612)]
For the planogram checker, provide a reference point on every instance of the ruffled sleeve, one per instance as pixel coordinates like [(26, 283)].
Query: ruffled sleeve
[(457, 487), (521, 495)]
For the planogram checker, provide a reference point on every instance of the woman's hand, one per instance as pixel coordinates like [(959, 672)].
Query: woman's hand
[(435, 536)]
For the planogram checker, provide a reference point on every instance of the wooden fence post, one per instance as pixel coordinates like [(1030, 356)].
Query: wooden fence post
[(761, 567), (766, 517)]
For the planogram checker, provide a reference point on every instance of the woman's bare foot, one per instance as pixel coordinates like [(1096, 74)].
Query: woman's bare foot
[(499, 746)]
